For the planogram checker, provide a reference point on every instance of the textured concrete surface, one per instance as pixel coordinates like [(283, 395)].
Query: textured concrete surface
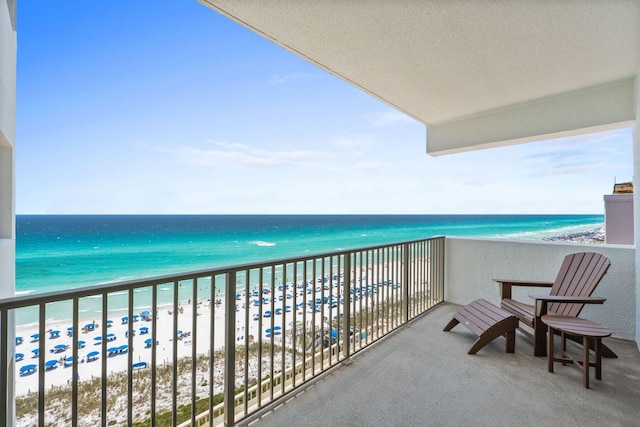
[(421, 376)]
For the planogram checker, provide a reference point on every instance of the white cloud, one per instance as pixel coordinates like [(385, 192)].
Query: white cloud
[(389, 118), (367, 166), (355, 141), (234, 154), (279, 79)]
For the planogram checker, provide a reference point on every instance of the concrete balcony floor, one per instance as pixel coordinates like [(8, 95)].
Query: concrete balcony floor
[(420, 375)]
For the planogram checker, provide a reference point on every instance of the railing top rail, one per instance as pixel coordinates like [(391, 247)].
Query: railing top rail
[(85, 291)]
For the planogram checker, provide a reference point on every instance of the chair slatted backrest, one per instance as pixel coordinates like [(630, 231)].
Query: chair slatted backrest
[(579, 275)]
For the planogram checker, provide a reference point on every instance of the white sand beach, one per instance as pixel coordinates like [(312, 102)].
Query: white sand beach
[(59, 351)]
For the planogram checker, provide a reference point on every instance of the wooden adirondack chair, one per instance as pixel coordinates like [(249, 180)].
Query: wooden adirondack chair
[(578, 277)]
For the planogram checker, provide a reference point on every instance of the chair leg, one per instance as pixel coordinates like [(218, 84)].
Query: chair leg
[(598, 345), (511, 341), (550, 350), (539, 339), (451, 324), (585, 361)]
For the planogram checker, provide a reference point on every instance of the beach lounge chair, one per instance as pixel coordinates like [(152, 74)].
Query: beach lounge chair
[(579, 275)]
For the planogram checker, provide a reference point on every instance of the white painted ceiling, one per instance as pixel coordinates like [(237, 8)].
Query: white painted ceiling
[(444, 60)]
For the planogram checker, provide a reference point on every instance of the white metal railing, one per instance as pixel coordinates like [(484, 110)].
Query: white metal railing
[(211, 346)]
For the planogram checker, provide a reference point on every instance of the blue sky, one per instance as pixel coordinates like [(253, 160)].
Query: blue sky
[(167, 107)]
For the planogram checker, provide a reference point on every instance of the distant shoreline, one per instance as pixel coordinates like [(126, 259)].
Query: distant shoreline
[(597, 235)]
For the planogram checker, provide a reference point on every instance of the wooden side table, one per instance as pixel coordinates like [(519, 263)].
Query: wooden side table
[(581, 328)]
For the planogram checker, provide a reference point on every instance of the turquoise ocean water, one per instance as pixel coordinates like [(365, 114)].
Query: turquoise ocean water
[(70, 251), (67, 251)]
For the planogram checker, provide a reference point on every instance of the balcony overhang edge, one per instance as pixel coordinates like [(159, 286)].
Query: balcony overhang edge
[(605, 107)]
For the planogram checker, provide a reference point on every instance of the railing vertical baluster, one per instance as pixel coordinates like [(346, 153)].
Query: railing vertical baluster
[(230, 346), (433, 273), (346, 288), (260, 311), (405, 281), (154, 352), (74, 365), (174, 373), (194, 345), (41, 349), (245, 334), (103, 365), (129, 358), (212, 340), (5, 402), (385, 289)]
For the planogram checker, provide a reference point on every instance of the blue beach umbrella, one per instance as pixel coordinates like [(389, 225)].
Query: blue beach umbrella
[(139, 365), (112, 351), (135, 317), (81, 344), (109, 323), (54, 334), (123, 348), (144, 330), (35, 337), (98, 339), (145, 315), (19, 357), (28, 369), (36, 352), (125, 320), (18, 340), (70, 331), (58, 348), (92, 356), (50, 364), (111, 337)]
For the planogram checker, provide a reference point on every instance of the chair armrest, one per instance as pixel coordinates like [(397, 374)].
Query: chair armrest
[(543, 300), (505, 285)]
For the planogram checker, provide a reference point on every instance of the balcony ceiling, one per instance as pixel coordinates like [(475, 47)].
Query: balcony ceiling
[(449, 62)]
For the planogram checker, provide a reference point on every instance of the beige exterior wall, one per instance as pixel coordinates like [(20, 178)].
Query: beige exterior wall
[(472, 264), (618, 219)]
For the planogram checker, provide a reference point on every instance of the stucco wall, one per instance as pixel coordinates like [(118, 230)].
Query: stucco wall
[(471, 264), (618, 219)]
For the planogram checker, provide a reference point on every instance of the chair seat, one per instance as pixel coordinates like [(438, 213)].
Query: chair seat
[(524, 312)]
